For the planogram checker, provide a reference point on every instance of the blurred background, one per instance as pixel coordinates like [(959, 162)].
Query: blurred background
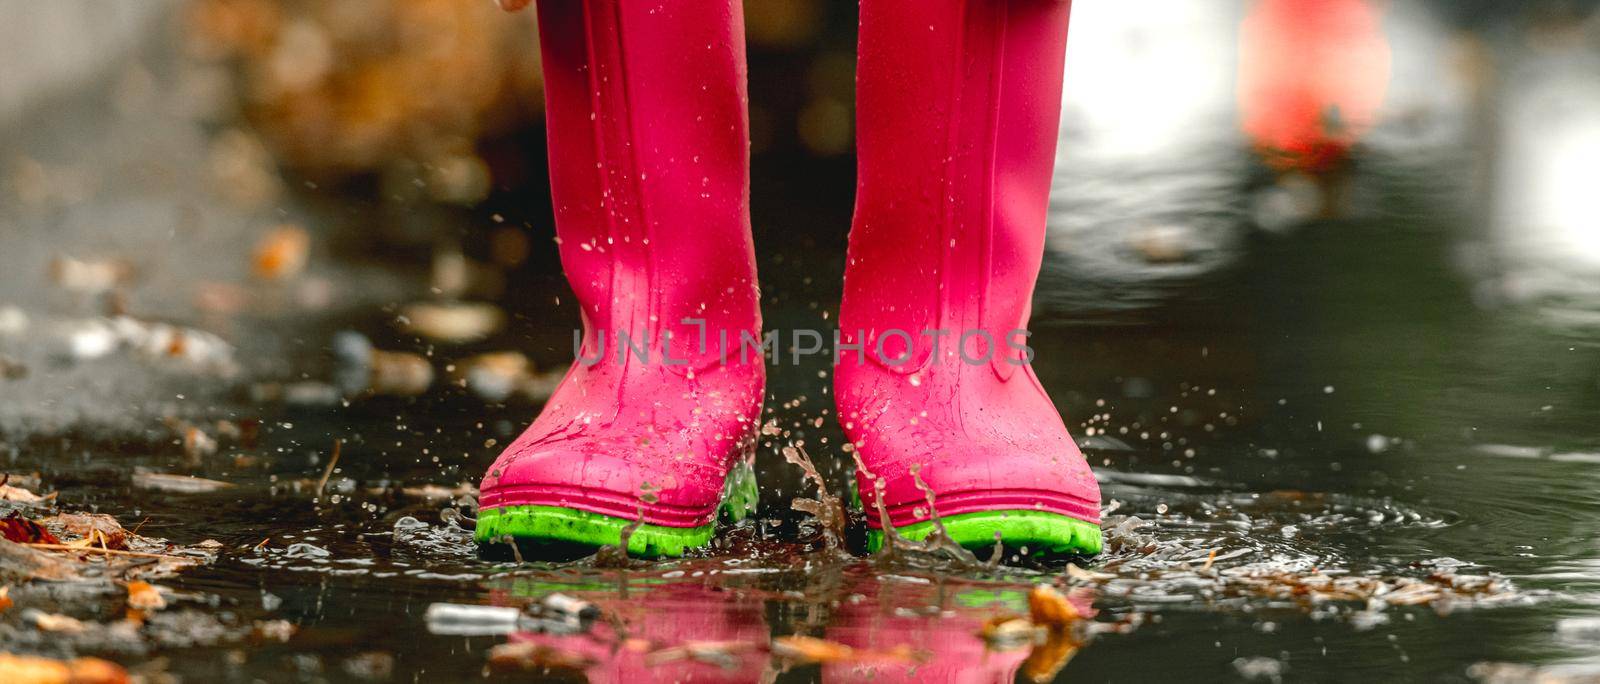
[(1348, 249), (176, 160)]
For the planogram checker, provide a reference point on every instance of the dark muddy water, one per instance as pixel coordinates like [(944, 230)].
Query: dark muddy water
[(1334, 405)]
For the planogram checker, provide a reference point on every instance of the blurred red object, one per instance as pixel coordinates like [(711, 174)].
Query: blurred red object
[(1312, 75)]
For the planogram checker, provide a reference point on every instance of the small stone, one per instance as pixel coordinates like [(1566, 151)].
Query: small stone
[(13, 321), (87, 276), (1166, 244), (11, 369), (282, 253), (1260, 669), (454, 322), (399, 374), (495, 376)]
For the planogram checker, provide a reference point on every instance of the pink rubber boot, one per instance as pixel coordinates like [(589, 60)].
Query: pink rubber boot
[(665, 621), (649, 153), (957, 111), (947, 648)]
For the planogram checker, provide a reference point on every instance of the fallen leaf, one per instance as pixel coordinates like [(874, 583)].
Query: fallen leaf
[(373, 666), (5, 598), (19, 669), (93, 529), (1082, 575), (530, 656), (52, 622), (20, 495), (197, 444), (1050, 608), (19, 529), (145, 596), (275, 630), (805, 649), (95, 540), (1047, 658), (20, 562), (1057, 614)]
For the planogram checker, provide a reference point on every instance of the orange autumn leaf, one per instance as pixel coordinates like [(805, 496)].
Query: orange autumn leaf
[(1051, 608), (807, 649), (1047, 658), (17, 669), (145, 596), (281, 253)]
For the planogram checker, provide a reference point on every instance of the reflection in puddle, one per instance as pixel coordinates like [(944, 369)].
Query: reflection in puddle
[(1545, 214), (763, 603), (855, 621)]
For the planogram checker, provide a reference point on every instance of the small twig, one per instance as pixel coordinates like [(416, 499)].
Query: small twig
[(109, 552), (257, 547), (138, 527), (338, 445), (515, 552), (1212, 558)]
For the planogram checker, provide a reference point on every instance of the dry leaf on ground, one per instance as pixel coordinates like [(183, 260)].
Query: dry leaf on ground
[(805, 649), (529, 656), (19, 529), (92, 529), (1051, 608), (145, 596), (22, 563), (19, 669), (23, 496), (274, 630), (51, 622)]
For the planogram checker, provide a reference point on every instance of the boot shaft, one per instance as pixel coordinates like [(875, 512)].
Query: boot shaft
[(649, 157), (958, 105)]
